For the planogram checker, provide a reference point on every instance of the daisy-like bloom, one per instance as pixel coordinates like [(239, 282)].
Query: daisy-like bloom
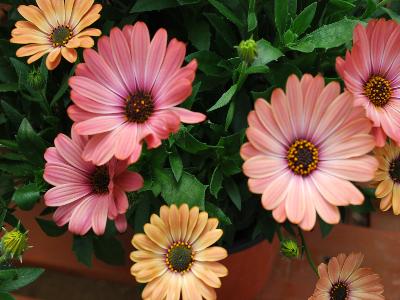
[(86, 195), (304, 149), (343, 279), (56, 27), (127, 92), (371, 72), (175, 256), (387, 177)]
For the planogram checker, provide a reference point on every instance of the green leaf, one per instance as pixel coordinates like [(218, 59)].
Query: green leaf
[(26, 196), (22, 71), (391, 14), (208, 62), (325, 227), (109, 250), (189, 101), (251, 16), (176, 164), (261, 69), (230, 115), (30, 143), (22, 277), (83, 248), (266, 53), (8, 87), (226, 12), (342, 4), (63, 87), (233, 192), (304, 19), (189, 143), (215, 212), (326, 37), (223, 28), (6, 296), (281, 14), (199, 34), (371, 7), (12, 114), (146, 5), (225, 98), (188, 190), (51, 228), (289, 37), (216, 181)]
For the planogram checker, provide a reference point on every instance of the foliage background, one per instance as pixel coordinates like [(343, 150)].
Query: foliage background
[(199, 165)]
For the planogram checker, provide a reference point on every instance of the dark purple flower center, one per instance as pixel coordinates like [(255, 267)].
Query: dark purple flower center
[(378, 90), (179, 257), (61, 35), (339, 291), (100, 180), (302, 157), (394, 170), (139, 107)]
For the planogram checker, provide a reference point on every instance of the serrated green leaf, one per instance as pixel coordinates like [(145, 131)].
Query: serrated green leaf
[(215, 212), (176, 164), (26, 196), (188, 190), (189, 143), (223, 28), (304, 19), (266, 53), (22, 277), (216, 181), (233, 192), (51, 228), (281, 14), (83, 248), (30, 143), (208, 62), (109, 250), (326, 37), (226, 12), (12, 114), (225, 98)]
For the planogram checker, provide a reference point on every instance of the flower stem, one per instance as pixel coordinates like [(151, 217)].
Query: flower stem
[(308, 254), (279, 232)]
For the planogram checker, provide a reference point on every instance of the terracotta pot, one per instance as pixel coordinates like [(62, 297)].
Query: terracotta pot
[(249, 268), (249, 271)]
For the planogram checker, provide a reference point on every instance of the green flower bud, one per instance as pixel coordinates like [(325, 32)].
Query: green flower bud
[(35, 80), (290, 249), (247, 50), (14, 243)]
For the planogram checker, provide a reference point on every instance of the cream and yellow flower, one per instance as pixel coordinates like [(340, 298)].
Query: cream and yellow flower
[(387, 177), (56, 27), (174, 256)]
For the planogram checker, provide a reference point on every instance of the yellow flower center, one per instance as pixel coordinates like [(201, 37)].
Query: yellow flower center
[(139, 107), (179, 257), (100, 180), (61, 35), (394, 170), (302, 157), (378, 90), (339, 291)]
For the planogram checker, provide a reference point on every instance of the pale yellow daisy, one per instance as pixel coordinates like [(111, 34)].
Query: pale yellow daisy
[(175, 257)]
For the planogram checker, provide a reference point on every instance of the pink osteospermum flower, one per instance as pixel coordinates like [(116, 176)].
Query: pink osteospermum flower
[(371, 72), (342, 278), (304, 149), (127, 92), (86, 195)]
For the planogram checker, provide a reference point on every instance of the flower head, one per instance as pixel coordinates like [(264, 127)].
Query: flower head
[(14, 243), (247, 50), (35, 79), (290, 249), (371, 73), (86, 195), (174, 255), (127, 92), (304, 149), (387, 177), (56, 27), (343, 279)]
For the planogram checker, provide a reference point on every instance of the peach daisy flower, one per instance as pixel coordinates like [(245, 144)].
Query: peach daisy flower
[(56, 27), (387, 177), (86, 195), (304, 149), (343, 279), (127, 92), (371, 72), (175, 256)]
